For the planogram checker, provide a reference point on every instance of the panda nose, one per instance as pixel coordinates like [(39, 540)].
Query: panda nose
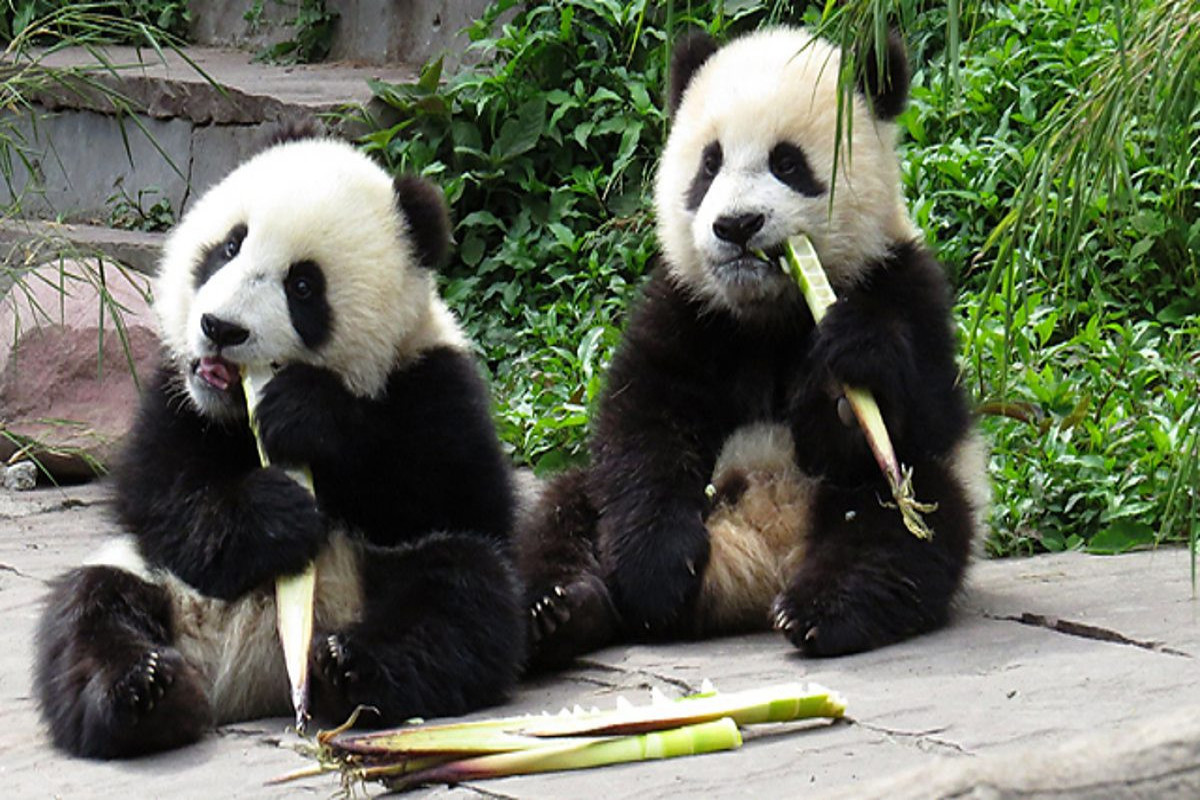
[(738, 228), (222, 333)]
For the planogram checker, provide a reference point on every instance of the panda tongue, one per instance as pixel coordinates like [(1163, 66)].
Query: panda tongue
[(217, 372)]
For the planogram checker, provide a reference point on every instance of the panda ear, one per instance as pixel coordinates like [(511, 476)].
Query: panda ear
[(885, 81), (692, 49), (424, 206), (291, 131)]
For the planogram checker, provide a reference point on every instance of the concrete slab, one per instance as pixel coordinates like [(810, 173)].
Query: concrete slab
[(215, 85), (27, 241), (1064, 676)]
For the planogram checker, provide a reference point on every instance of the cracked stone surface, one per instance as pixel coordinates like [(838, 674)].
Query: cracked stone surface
[(1064, 676)]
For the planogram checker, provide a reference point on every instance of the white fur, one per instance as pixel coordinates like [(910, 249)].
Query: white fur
[(969, 466), (234, 645), (757, 91), (318, 200)]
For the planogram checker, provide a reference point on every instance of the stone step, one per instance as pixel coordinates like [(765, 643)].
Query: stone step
[(30, 241), (194, 116)]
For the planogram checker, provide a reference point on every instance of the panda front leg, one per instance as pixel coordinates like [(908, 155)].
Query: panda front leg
[(441, 634), (109, 681), (865, 581)]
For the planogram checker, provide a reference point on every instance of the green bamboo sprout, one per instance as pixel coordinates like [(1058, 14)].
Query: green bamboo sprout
[(569, 753), (801, 262), (578, 739), (294, 594)]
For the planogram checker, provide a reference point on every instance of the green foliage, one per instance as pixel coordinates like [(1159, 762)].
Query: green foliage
[(137, 213), (313, 36), (546, 152), (1050, 157), (49, 20), (1098, 420)]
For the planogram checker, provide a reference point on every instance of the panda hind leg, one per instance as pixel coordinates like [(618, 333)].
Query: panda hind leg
[(107, 679), (866, 581), (569, 606), (441, 635)]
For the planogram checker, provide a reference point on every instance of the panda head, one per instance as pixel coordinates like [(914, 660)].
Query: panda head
[(750, 162), (308, 252)]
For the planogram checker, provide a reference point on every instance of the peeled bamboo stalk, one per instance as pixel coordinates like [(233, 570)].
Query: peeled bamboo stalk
[(294, 594), (802, 264), (784, 703)]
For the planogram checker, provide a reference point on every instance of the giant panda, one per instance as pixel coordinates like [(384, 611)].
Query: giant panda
[(729, 486), (308, 257)]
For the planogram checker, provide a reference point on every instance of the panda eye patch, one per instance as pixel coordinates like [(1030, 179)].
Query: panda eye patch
[(711, 159), (788, 164), (219, 254), (303, 280), (304, 286)]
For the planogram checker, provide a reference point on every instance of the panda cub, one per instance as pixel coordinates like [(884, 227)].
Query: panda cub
[(310, 258), (730, 487)]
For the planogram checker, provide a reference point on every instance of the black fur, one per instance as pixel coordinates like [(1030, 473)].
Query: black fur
[(308, 307), (689, 54), (291, 131), (424, 206), (558, 549), (685, 378), (788, 163), (706, 171), (883, 77), (219, 254), (417, 473), (437, 638), (109, 682)]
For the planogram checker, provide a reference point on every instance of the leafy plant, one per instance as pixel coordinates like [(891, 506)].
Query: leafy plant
[(545, 152), (137, 213), (313, 37), (51, 20)]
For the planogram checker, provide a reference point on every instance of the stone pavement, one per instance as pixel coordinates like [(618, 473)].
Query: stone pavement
[(1063, 676)]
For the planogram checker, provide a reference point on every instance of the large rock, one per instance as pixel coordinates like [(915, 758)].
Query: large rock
[(67, 393)]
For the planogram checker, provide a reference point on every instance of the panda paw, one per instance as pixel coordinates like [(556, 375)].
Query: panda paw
[(829, 623), (572, 618), (136, 694), (548, 613), (853, 348), (335, 662), (295, 416), (283, 516)]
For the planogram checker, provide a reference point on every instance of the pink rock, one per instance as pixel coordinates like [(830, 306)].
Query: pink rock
[(59, 388)]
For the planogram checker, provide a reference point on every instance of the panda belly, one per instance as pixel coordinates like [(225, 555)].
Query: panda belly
[(234, 645), (757, 529)]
